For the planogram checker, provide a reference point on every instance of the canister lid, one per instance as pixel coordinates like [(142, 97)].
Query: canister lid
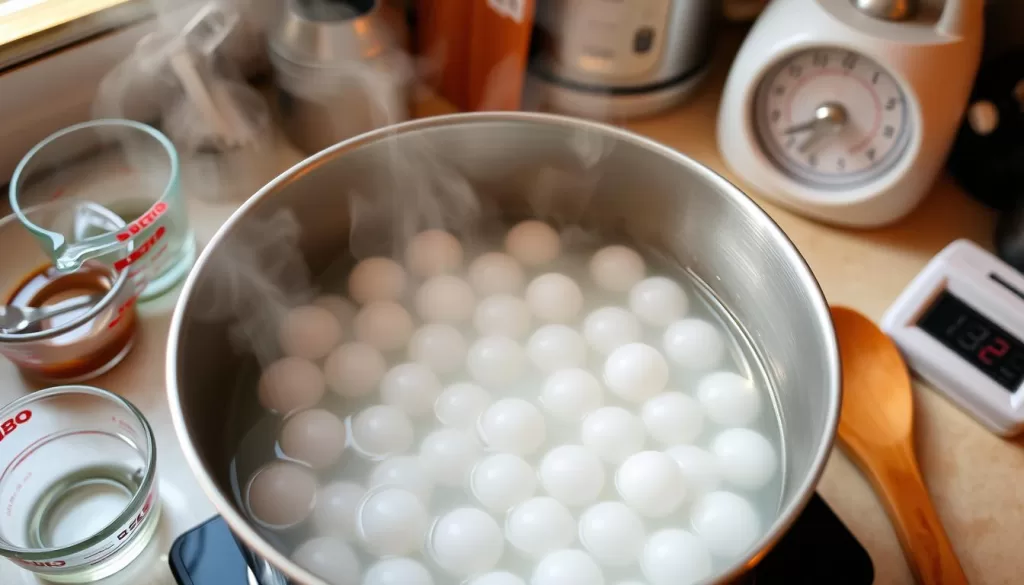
[(325, 34)]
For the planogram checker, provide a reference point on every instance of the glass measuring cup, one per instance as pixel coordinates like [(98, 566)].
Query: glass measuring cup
[(128, 168), (78, 483), (80, 344)]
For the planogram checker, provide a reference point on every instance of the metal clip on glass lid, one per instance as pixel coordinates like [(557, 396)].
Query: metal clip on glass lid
[(119, 168)]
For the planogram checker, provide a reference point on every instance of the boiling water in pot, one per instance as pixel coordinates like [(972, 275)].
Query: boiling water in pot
[(535, 413)]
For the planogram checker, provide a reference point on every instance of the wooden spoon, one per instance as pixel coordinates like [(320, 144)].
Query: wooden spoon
[(876, 429)]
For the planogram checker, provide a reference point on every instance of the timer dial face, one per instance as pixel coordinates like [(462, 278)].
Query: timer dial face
[(831, 118)]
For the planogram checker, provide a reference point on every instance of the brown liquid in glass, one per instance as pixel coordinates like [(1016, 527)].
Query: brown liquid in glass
[(46, 286)]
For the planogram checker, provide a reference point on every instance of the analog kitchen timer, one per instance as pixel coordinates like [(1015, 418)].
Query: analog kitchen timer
[(845, 111)]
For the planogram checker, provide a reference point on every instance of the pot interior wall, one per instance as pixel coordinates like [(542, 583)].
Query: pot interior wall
[(668, 205)]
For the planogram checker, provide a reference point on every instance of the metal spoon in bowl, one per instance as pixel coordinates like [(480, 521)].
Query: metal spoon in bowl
[(14, 320), (876, 429)]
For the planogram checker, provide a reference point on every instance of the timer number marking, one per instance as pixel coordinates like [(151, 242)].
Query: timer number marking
[(856, 147), (982, 343), (970, 334), (974, 336), (997, 348)]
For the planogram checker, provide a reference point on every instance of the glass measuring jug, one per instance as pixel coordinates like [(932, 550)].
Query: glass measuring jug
[(131, 170), (78, 483), (78, 345)]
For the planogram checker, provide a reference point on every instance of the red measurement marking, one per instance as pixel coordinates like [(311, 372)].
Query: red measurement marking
[(138, 519), (17, 355), (143, 222), (49, 564), (17, 490), (121, 311), (124, 425), (141, 251), (10, 425), (156, 257)]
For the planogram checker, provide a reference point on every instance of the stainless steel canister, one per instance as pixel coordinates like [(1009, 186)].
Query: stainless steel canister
[(340, 69)]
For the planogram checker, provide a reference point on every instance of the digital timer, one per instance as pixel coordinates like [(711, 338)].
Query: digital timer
[(987, 346), (960, 326)]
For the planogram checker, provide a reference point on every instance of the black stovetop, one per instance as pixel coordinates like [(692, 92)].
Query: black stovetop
[(817, 549)]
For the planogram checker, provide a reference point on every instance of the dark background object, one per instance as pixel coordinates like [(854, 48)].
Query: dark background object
[(208, 555), (1009, 238), (988, 162), (1004, 20), (990, 168), (818, 549)]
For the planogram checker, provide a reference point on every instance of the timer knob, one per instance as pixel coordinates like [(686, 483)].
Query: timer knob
[(887, 9), (829, 118)]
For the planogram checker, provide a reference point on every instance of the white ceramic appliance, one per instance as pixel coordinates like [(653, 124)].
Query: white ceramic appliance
[(845, 110)]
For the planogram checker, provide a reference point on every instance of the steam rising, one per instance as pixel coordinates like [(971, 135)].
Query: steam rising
[(417, 190), (262, 273), (258, 274), (259, 271)]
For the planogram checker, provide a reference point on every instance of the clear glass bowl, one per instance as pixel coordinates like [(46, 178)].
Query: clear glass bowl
[(78, 483)]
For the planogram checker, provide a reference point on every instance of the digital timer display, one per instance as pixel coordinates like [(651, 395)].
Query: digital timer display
[(985, 345)]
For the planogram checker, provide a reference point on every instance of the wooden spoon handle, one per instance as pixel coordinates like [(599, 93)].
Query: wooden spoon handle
[(918, 526)]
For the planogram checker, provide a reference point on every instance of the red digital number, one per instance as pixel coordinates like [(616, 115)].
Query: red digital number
[(997, 348)]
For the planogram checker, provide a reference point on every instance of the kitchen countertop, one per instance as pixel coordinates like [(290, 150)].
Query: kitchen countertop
[(972, 475)]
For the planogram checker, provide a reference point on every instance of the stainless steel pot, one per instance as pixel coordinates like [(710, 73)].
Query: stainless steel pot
[(640, 190)]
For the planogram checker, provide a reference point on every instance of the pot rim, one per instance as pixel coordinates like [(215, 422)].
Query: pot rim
[(245, 531)]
